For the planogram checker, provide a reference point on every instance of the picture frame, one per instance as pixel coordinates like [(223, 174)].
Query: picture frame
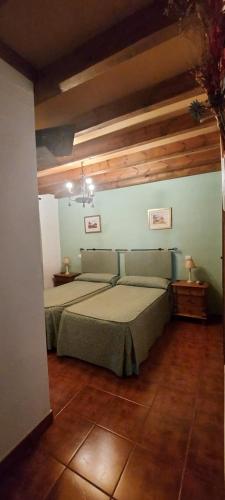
[(92, 224), (160, 218)]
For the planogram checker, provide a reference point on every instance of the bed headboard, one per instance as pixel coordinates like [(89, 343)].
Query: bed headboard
[(100, 261), (149, 263)]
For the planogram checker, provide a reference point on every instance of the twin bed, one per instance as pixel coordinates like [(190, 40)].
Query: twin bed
[(116, 328), (100, 270)]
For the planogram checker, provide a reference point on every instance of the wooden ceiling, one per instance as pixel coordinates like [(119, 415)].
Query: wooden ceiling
[(119, 71)]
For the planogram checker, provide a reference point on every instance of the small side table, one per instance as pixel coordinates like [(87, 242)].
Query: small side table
[(63, 278), (190, 299)]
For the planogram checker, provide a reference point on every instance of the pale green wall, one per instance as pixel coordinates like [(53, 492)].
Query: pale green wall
[(196, 230)]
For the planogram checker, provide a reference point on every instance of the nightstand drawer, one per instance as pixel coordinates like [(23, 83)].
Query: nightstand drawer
[(193, 309), (190, 291), (190, 300)]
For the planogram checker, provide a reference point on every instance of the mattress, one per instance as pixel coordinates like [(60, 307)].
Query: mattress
[(116, 329)]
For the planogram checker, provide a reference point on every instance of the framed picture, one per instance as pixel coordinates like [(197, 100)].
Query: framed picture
[(92, 224), (160, 218)]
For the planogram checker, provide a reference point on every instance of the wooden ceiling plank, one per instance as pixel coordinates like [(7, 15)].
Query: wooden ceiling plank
[(211, 167), (159, 141), (202, 141), (144, 146), (197, 170), (128, 38), (138, 171), (97, 169), (137, 139)]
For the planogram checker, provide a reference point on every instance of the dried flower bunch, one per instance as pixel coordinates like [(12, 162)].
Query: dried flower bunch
[(210, 74)]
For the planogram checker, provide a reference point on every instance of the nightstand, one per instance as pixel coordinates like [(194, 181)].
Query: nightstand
[(62, 278), (190, 299)]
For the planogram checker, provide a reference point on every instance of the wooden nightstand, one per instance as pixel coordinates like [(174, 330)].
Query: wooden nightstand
[(190, 299), (62, 278)]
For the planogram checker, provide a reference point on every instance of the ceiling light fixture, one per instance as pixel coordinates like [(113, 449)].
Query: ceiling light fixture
[(87, 190)]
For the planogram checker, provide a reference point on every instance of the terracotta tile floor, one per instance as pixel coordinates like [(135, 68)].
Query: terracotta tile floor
[(158, 436)]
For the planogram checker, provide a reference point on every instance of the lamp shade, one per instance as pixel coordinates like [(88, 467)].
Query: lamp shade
[(66, 261), (189, 263)]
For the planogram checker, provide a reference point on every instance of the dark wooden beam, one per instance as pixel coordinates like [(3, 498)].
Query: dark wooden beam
[(17, 62), (167, 89), (128, 38)]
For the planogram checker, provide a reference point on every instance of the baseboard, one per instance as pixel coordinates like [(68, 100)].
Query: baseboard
[(22, 448)]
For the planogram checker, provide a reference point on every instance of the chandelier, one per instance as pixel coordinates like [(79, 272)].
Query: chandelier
[(87, 191)]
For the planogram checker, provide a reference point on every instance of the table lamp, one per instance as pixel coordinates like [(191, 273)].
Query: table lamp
[(66, 262), (189, 264)]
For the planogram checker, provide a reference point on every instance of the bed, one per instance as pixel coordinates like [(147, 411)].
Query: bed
[(117, 328), (100, 270)]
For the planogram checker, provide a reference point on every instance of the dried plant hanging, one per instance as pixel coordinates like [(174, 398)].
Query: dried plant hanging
[(209, 17)]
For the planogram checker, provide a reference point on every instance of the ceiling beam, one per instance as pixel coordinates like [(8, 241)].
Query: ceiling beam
[(124, 163), (137, 171), (172, 88), (16, 61), (186, 172), (173, 106), (137, 33), (133, 173), (155, 177), (150, 96), (136, 139)]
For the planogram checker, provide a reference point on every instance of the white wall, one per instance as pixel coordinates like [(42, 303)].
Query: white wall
[(24, 395), (49, 221)]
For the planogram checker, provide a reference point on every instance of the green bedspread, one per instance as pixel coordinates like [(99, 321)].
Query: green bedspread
[(115, 330), (56, 299)]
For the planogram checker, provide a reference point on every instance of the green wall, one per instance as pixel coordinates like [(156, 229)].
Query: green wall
[(196, 228)]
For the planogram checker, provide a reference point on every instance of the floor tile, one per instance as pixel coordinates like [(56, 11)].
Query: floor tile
[(144, 478), (181, 378), (66, 434), (102, 458), (124, 417), (32, 479), (174, 403), (210, 408), (206, 450), (137, 390), (89, 403), (62, 390), (211, 380), (197, 488), (73, 487), (165, 437)]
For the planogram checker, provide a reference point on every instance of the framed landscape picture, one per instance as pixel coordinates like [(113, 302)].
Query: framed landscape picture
[(160, 218), (92, 224)]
